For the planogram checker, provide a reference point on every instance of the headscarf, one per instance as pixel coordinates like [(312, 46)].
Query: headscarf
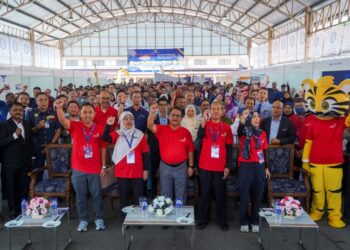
[(291, 105), (231, 108), (192, 124), (121, 148)]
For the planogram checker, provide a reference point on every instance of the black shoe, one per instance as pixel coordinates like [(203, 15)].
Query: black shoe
[(181, 227), (224, 227), (164, 227), (201, 225)]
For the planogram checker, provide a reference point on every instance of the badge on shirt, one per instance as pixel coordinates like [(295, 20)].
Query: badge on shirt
[(130, 157), (261, 156), (87, 151), (47, 124), (215, 151)]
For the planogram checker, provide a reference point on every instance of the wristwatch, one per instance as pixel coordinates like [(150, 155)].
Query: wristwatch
[(104, 167)]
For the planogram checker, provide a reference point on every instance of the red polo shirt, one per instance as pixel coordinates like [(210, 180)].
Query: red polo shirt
[(125, 170), (79, 162), (101, 117), (304, 128), (174, 145), (254, 151), (224, 137)]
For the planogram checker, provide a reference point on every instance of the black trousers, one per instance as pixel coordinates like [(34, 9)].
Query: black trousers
[(210, 180), (251, 184), (16, 183), (346, 189), (126, 186)]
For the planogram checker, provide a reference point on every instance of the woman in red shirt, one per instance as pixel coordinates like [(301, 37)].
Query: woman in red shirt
[(252, 168), (130, 157)]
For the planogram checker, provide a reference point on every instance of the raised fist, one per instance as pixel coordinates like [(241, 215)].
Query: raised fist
[(111, 120)]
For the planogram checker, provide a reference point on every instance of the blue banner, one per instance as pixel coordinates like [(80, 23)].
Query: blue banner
[(155, 60)]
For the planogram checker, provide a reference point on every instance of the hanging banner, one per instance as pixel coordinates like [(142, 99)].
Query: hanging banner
[(292, 47), (301, 44), (4, 49), (275, 46), (15, 50), (282, 55), (316, 45), (26, 53), (332, 41)]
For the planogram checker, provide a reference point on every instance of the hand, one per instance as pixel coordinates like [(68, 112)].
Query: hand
[(244, 116), (24, 88), (173, 95), (306, 166), (6, 87), (153, 109), (18, 131), (267, 173), (145, 175), (275, 142), (103, 172), (111, 120), (59, 104), (226, 173), (190, 171), (41, 124)]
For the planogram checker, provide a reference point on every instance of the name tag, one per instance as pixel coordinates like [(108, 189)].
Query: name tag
[(261, 156), (47, 124), (87, 151), (130, 158), (215, 152)]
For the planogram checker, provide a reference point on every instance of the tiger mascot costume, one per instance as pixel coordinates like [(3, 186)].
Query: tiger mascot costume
[(323, 154)]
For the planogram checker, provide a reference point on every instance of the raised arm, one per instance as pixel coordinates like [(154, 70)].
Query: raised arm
[(60, 114), (151, 117)]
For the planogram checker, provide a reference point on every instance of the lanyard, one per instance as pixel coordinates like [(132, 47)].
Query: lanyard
[(215, 136), (87, 137), (132, 139)]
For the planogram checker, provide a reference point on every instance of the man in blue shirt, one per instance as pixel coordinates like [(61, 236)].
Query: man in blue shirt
[(139, 113), (262, 106)]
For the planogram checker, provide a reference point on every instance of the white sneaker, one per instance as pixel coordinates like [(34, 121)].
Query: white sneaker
[(100, 225), (82, 226), (245, 228), (255, 229)]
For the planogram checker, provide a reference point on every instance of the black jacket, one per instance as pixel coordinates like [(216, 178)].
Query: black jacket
[(286, 133), (16, 153)]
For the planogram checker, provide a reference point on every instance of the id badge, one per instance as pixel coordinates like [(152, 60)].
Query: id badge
[(215, 152), (47, 124), (261, 156), (87, 151), (130, 158)]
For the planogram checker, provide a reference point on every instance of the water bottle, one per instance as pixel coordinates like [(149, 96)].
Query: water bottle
[(24, 207), (178, 206), (278, 211), (54, 210), (144, 207)]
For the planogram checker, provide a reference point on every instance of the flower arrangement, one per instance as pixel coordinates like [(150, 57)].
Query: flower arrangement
[(161, 206), (38, 208), (291, 208)]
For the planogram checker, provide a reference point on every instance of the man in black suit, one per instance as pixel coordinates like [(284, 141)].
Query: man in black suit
[(16, 146), (279, 129)]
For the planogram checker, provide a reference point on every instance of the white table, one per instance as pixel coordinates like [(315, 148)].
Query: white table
[(134, 219), (29, 223), (302, 222)]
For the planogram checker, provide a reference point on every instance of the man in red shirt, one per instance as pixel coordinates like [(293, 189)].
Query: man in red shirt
[(104, 111), (88, 152), (215, 162), (176, 150)]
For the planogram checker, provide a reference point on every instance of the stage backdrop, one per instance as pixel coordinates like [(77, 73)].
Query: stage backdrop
[(155, 60)]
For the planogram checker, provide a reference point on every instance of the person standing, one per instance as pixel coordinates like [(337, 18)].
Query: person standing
[(139, 113), (215, 161), (176, 153), (88, 162), (16, 146), (262, 106), (105, 110)]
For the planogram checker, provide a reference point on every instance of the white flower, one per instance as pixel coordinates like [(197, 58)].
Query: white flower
[(28, 212), (167, 210), (161, 204), (161, 198), (168, 201), (150, 209), (159, 212)]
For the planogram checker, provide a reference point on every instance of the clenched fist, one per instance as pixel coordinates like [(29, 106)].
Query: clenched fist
[(18, 131), (111, 120)]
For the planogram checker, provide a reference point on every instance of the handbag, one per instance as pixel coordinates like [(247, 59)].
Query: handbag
[(108, 179)]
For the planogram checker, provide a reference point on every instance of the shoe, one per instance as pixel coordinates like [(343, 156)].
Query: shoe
[(82, 226), (336, 223), (164, 227), (244, 228), (255, 229), (224, 227), (315, 216), (100, 225), (201, 225)]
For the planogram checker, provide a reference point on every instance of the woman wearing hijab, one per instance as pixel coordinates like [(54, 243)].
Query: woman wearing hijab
[(190, 121), (231, 107), (252, 168), (288, 110), (130, 157)]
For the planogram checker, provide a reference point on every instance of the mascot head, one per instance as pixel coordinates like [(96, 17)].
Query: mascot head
[(325, 99)]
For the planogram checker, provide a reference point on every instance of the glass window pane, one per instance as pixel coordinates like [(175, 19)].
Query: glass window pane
[(188, 51), (122, 31), (150, 42), (188, 31), (225, 50), (123, 51), (179, 43), (131, 31), (95, 42), (197, 50), (86, 51), (179, 32), (234, 50), (95, 51), (141, 42), (206, 50), (104, 41), (197, 32), (188, 41), (215, 50), (113, 51), (132, 42), (104, 51), (206, 41), (123, 42), (104, 33), (85, 42), (225, 41), (113, 32), (159, 32)]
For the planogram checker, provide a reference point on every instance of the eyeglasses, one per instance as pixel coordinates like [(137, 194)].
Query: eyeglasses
[(175, 116)]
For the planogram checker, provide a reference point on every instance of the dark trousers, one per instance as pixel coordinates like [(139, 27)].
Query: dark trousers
[(152, 175), (346, 189), (16, 187), (210, 180), (126, 185), (251, 185)]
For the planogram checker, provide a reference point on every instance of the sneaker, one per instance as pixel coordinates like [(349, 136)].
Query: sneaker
[(100, 225), (245, 228), (82, 226), (255, 229)]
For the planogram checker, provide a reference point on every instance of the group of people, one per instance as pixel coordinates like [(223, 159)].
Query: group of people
[(155, 127)]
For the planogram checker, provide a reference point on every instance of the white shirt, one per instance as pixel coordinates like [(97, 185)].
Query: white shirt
[(19, 125)]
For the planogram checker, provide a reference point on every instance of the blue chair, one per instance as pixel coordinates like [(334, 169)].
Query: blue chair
[(59, 172), (281, 164)]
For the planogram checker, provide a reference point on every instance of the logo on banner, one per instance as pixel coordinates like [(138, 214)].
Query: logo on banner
[(275, 46), (283, 43), (292, 41), (2, 43), (26, 48), (333, 37), (15, 46), (316, 42), (302, 38)]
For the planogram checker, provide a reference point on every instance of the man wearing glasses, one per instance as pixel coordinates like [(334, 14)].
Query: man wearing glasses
[(105, 110), (139, 113), (176, 153)]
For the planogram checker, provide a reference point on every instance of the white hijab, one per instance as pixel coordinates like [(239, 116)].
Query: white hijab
[(192, 124), (121, 148)]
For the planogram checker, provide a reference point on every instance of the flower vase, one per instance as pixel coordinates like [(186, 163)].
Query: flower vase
[(38, 216)]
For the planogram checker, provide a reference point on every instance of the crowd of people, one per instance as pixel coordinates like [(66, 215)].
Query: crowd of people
[(167, 128)]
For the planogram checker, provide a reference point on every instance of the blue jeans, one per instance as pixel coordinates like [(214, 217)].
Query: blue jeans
[(84, 183)]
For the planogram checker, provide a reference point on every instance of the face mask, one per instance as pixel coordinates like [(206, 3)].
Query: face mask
[(299, 110)]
